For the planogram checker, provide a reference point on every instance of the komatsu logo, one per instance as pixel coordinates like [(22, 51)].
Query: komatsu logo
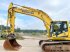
[(27, 12)]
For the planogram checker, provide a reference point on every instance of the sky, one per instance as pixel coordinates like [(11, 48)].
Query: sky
[(56, 9)]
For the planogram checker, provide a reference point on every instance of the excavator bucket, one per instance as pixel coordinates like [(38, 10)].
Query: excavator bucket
[(11, 44)]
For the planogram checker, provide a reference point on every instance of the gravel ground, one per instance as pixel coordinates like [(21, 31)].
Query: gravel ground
[(28, 45)]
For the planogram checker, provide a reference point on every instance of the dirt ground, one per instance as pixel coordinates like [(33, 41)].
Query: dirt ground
[(28, 45)]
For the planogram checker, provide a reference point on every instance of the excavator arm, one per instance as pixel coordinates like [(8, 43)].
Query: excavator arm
[(27, 11)]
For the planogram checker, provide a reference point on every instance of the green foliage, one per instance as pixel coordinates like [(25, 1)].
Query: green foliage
[(18, 30), (2, 27), (18, 36), (31, 31)]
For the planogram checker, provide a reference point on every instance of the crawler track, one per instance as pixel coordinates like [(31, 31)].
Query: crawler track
[(55, 46)]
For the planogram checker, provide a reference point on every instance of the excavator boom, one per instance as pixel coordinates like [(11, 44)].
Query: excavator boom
[(27, 11)]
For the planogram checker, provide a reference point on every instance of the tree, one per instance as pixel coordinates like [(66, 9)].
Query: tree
[(18, 30)]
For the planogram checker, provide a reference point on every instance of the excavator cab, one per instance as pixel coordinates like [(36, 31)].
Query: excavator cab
[(58, 27)]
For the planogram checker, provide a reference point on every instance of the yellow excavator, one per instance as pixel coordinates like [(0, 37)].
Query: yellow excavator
[(58, 32)]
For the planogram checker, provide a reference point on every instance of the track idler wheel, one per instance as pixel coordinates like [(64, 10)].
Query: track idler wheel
[(11, 43), (40, 42)]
